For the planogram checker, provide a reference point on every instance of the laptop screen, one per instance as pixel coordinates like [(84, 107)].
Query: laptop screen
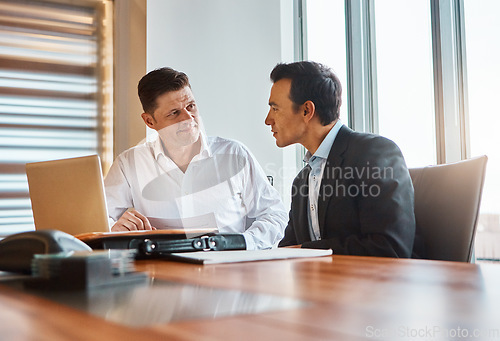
[(68, 195)]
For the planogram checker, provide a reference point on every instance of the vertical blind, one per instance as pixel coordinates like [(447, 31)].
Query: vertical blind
[(51, 93)]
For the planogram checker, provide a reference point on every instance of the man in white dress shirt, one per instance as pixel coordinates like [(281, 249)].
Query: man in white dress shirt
[(183, 175)]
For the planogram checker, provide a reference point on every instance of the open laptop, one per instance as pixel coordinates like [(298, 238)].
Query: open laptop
[(68, 195)]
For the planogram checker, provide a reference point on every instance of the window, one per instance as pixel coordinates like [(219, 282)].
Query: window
[(55, 92), (326, 40), (404, 78), (483, 50), (426, 76)]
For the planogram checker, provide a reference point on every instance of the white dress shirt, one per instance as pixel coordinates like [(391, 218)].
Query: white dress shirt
[(317, 163), (224, 179)]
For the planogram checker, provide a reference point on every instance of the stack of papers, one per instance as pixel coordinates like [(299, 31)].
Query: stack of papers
[(216, 257)]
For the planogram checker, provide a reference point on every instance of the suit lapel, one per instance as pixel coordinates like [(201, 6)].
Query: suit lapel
[(328, 183)]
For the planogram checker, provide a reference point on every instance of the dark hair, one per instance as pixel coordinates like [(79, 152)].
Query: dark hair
[(314, 82), (158, 82)]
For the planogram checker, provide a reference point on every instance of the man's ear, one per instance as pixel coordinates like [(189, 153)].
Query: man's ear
[(309, 110), (148, 119)]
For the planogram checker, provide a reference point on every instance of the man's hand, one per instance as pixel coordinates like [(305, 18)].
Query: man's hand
[(131, 221)]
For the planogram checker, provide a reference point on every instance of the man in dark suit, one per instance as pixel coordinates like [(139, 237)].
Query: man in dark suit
[(355, 194)]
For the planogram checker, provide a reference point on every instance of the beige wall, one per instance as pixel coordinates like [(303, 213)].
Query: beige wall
[(130, 66), (228, 48)]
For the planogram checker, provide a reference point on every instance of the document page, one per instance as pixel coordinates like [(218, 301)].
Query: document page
[(206, 221), (216, 257)]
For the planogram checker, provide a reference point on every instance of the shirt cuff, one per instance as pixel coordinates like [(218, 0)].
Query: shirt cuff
[(249, 241)]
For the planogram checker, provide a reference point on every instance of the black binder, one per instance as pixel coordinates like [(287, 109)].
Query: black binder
[(153, 244)]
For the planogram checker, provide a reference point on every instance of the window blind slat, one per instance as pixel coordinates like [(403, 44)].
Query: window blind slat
[(41, 24), (48, 56), (26, 83), (27, 39), (47, 122), (27, 110), (46, 93), (20, 142), (39, 66), (54, 12), (23, 155), (66, 134)]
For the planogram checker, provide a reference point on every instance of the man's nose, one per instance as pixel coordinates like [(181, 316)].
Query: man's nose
[(186, 115), (267, 121)]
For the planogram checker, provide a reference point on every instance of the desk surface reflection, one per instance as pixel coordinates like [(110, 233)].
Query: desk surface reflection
[(159, 301)]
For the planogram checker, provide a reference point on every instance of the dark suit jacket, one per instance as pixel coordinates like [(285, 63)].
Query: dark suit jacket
[(365, 203)]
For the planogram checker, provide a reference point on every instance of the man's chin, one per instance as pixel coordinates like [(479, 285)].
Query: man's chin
[(281, 144), (188, 139)]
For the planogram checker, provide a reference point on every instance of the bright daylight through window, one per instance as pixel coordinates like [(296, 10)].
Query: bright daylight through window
[(482, 29), (404, 78), (325, 33)]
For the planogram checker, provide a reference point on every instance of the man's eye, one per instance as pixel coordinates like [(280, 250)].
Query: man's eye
[(173, 114), (191, 106)]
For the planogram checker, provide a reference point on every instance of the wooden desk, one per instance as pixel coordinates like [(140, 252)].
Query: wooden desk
[(351, 298)]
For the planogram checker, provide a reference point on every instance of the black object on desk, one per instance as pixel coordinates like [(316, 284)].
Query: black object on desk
[(156, 245), (84, 270), (17, 250)]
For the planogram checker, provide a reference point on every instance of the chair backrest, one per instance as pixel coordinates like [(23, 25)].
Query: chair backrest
[(447, 200)]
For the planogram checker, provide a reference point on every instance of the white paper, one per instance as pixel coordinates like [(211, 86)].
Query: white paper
[(214, 257), (206, 221)]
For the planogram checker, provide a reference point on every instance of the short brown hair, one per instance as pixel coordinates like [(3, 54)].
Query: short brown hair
[(158, 82)]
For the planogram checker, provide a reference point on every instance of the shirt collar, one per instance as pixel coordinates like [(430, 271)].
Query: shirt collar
[(326, 145), (204, 151)]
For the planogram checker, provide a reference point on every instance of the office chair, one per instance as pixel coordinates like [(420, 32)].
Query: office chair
[(447, 200)]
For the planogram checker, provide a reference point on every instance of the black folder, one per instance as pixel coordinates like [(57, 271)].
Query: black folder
[(156, 244)]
